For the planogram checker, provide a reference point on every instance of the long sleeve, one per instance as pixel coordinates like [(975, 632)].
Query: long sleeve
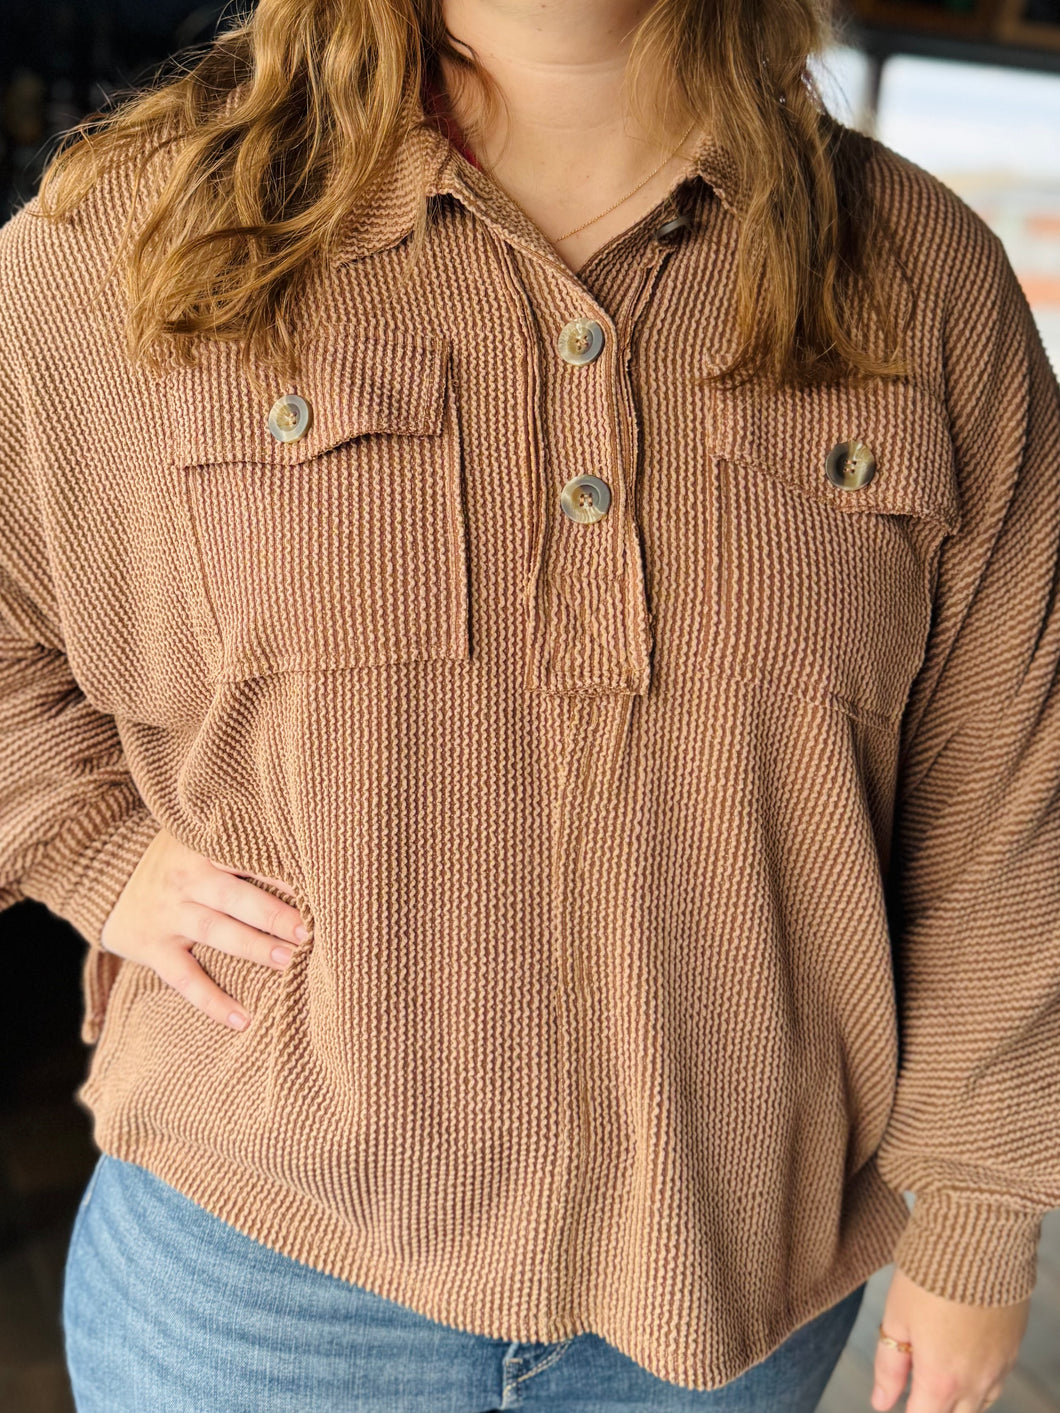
[(974, 879), (72, 822)]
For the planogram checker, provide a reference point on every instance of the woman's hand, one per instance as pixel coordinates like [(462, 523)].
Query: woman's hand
[(175, 898), (961, 1353)]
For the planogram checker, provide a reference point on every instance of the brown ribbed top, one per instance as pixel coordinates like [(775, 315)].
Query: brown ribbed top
[(683, 886)]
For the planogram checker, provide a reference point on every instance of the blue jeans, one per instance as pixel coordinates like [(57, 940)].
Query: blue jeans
[(168, 1308)]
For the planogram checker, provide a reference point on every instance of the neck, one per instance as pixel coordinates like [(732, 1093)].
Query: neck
[(560, 65)]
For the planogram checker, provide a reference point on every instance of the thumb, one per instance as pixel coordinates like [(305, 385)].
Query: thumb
[(891, 1371)]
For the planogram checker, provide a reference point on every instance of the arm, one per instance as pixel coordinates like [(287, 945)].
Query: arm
[(974, 884), (72, 823)]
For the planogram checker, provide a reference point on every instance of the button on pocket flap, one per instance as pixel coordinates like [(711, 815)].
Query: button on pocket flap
[(324, 522), (350, 385), (884, 447)]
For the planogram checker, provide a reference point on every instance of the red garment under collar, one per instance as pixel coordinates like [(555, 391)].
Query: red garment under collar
[(436, 106)]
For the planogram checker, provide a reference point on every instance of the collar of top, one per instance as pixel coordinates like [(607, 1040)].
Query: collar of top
[(431, 160)]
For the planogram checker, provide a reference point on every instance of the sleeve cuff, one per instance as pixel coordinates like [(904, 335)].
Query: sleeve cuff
[(980, 1253)]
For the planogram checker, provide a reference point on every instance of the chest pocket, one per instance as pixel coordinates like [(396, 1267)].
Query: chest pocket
[(345, 547), (820, 591)]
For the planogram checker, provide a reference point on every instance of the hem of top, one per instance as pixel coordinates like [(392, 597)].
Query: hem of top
[(264, 1208)]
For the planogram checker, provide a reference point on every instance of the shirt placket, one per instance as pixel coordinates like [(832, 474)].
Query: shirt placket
[(588, 649), (588, 640), (589, 628)]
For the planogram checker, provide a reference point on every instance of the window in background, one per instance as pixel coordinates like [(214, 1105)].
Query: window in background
[(992, 135), (843, 75)]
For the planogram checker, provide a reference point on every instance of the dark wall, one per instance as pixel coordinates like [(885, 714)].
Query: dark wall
[(61, 59)]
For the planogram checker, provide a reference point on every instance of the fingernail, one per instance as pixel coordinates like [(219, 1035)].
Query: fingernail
[(237, 1021), (301, 933), (281, 955)]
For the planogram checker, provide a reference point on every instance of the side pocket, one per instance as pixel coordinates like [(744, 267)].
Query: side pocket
[(287, 1018)]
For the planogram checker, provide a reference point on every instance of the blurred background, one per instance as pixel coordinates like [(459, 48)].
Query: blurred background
[(968, 89)]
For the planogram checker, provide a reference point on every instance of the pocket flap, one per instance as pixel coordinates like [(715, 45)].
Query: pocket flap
[(355, 384), (789, 435)]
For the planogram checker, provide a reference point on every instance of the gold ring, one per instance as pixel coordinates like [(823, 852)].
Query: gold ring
[(901, 1345)]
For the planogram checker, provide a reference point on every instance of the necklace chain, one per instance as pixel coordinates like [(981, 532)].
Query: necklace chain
[(621, 199), (628, 194), (614, 206)]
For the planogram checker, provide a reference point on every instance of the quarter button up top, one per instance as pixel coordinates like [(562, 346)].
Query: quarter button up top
[(681, 878)]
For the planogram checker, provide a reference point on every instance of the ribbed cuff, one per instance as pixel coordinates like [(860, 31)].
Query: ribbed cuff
[(980, 1253)]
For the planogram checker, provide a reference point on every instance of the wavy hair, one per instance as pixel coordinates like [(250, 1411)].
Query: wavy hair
[(269, 136)]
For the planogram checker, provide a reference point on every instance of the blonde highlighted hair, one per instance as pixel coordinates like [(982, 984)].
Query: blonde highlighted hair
[(254, 191)]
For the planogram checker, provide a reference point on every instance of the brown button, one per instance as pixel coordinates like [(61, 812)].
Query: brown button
[(585, 498), (850, 465)]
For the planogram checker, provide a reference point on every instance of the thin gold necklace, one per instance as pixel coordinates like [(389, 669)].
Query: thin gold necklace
[(621, 199), (629, 192)]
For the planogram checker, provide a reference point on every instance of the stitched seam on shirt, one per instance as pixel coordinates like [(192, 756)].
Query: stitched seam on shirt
[(199, 558), (865, 715)]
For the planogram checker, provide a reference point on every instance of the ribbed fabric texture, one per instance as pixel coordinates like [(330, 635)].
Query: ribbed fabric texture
[(683, 886)]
